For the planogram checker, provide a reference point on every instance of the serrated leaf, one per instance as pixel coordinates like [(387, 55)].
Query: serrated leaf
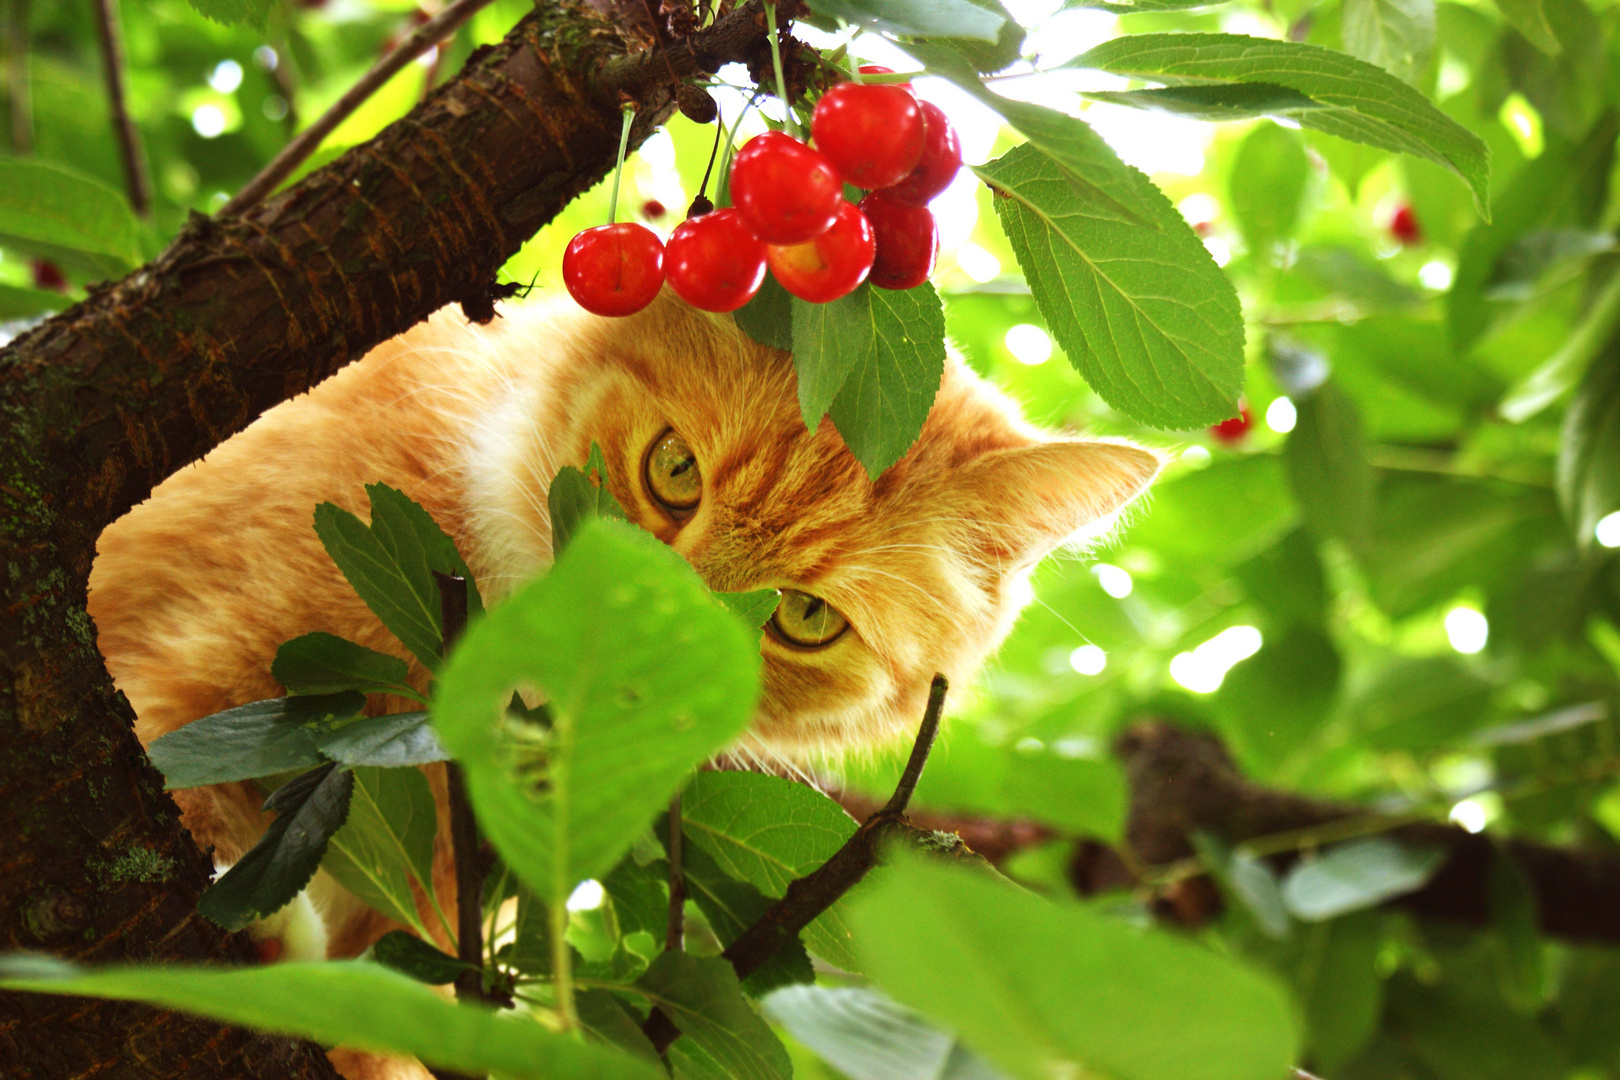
[(915, 18), (574, 497), (753, 608), (1355, 875), (417, 544), (767, 831), (1046, 990), (352, 1002), (1126, 287), (46, 204), (387, 840), (1366, 104), (309, 809), (253, 13), (257, 739), (1326, 456), (393, 740), (768, 317), (410, 955), (702, 997), (990, 57), (321, 663), (733, 906), (1396, 35), (873, 360), (866, 1036), (604, 1016), (1219, 103), (644, 676), (1589, 450)]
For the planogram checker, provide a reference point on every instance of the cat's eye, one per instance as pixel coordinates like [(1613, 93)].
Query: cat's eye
[(807, 621), (672, 473)]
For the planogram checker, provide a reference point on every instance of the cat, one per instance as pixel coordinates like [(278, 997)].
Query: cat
[(885, 582)]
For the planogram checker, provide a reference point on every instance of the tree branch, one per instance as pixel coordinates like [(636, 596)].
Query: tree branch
[(110, 36), (464, 840)]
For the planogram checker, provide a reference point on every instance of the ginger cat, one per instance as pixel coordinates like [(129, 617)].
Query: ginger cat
[(884, 582)]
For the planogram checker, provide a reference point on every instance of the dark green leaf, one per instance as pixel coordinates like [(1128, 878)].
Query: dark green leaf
[(1130, 7), (1043, 989), (386, 841), (1355, 875), (46, 204), (768, 317), (1267, 185), (866, 1036), (702, 996), (1396, 35), (1522, 269), (392, 740), (989, 57), (1589, 452), (574, 497), (417, 545), (252, 13), (1082, 796), (606, 1017), (1365, 104), (873, 360), (1341, 989), (1250, 880), (321, 663), (753, 608), (410, 955), (257, 739), (1529, 17), (1420, 704), (1273, 704), (1286, 580), (17, 302), (645, 677), (1521, 967), (1326, 457), (343, 1001), (916, 18), (309, 809), (1222, 102), (733, 906)]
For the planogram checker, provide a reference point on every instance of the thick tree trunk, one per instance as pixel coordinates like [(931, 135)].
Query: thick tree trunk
[(104, 401)]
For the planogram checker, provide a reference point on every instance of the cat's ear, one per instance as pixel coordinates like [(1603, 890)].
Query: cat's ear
[(1024, 502)]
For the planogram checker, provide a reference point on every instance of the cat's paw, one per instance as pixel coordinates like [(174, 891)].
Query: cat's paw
[(295, 932)]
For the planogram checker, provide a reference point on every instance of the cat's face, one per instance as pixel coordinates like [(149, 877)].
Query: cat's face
[(884, 583)]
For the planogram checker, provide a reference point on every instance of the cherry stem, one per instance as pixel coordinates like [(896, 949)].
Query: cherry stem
[(776, 62), (618, 168), (714, 152)]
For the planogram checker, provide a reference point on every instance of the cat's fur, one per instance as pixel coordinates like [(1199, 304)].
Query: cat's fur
[(195, 589)]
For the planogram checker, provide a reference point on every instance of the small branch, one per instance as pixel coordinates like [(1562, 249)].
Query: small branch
[(17, 85), (463, 826), (129, 139), (309, 140), (809, 896), (675, 936)]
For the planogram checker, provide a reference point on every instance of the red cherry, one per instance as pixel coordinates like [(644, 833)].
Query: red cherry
[(941, 158), (713, 262), (1405, 228), (1232, 431), (614, 269), (907, 239), (874, 134), (829, 266), (48, 276), (653, 209), (787, 192)]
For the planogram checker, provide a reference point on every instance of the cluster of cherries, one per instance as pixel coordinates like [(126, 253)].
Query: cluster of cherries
[(789, 213)]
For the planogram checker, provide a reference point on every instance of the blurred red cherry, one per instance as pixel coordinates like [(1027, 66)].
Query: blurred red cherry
[(48, 276), (1404, 226), (1232, 431)]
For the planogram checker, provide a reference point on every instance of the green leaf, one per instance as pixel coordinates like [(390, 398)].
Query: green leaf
[(1250, 880), (733, 906), (866, 1036), (253, 13), (352, 1002), (873, 360), (390, 564), (989, 57), (45, 207), (767, 831), (1420, 704), (531, 935), (1223, 102), (645, 677), (392, 740), (1326, 455), (1286, 580), (1520, 963), (1274, 704), (703, 998), (1132, 7), (1589, 451), (1396, 35), (1355, 875), (309, 809), (604, 1016), (257, 739), (17, 302), (1365, 104), (753, 608), (321, 663), (916, 18), (1044, 990), (1529, 17), (574, 497), (410, 955), (1082, 796), (1127, 289), (1267, 185), (768, 317), (1340, 988), (387, 840)]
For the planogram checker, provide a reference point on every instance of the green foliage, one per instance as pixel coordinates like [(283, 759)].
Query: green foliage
[(917, 18), (577, 495), (1356, 875), (54, 212), (414, 957), (322, 663), (386, 842), (257, 739), (704, 999)]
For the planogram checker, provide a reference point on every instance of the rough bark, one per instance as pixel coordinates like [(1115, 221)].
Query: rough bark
[(101, 403)]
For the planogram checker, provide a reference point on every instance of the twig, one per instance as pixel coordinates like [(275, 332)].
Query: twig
[(292, 155), (809, 896), (129, 139), (463, 827), (675, 935), (22, 110)]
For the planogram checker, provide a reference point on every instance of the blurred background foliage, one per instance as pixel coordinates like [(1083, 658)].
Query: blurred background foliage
[(1395, 585)]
